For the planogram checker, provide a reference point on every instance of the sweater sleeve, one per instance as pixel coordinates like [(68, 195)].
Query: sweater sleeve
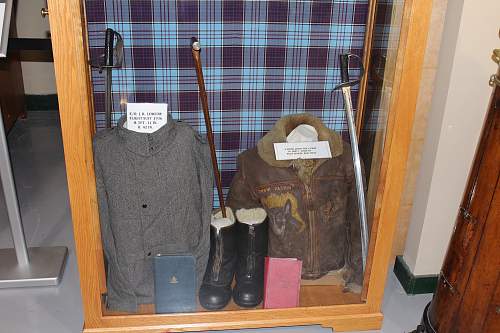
[(119, 295), (102, 199), (206, 181)]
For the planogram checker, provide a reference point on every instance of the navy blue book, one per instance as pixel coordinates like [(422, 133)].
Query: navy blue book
[(175, 283)]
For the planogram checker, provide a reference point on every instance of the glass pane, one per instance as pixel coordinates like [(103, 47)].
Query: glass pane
[(386, 34), (269, 69)]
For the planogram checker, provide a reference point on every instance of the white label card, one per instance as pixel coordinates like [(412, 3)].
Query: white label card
[(146, 117), (302, 150)]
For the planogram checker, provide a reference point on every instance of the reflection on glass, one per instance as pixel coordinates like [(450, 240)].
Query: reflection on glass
[(305, 213), (380, 79)]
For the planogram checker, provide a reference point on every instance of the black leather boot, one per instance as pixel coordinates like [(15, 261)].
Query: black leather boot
[(215, 291), (251, 238)]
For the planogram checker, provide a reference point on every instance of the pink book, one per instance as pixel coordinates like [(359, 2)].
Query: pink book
[(282, 282)]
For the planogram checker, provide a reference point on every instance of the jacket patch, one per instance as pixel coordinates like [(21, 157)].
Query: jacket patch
[(275, 188), (283, 209)]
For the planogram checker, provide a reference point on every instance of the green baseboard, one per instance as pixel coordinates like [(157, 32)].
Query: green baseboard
[(413, 285), (41, 102)]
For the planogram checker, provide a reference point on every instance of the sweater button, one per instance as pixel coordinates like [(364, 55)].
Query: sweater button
[(149, 254), (144, 206)]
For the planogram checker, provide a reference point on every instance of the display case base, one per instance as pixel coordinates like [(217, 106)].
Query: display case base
[(329, 306), (45, 268), (340, 323)]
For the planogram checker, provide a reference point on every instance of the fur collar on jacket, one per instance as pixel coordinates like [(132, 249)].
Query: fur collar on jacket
[(284, 126)]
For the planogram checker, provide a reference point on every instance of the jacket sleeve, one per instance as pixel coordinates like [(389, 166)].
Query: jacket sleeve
[(353, 229), (119, 296), (205, 176), (240, 194)]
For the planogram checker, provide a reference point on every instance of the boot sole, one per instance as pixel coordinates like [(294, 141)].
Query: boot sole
[(212, 308), (246, 305)]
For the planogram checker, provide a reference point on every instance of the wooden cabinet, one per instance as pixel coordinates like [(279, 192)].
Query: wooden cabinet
[(11, 83), (467, 298), (11, 90)]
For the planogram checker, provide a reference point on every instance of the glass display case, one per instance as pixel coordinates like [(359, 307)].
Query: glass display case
[(154, 251)]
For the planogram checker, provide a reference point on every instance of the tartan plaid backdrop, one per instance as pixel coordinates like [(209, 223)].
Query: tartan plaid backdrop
[(261, 60)]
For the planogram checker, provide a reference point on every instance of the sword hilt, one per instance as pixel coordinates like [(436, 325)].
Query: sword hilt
[(344, 68), (108, 47), (344, 71)]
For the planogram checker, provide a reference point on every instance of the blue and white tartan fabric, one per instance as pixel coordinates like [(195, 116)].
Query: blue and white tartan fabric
[(261, 60)]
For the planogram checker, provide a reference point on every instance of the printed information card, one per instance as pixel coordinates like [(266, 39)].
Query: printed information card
[(146, 117), (302, 150)]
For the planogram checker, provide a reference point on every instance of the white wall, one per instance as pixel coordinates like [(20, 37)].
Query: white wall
[(459, 103), (39, 78)]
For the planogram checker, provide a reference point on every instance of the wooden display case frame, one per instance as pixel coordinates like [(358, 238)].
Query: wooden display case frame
[(69, 43)]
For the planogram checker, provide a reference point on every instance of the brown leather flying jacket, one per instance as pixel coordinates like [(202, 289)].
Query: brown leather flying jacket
[(311, 204)]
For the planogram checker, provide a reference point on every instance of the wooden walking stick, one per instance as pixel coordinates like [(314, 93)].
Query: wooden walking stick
[(195, 50)]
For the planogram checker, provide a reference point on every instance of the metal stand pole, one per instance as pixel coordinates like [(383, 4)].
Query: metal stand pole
[(9, 191), (20, 267)]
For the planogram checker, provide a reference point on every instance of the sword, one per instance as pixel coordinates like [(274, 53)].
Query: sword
[(112, 58), (345, 86), (108, 64)]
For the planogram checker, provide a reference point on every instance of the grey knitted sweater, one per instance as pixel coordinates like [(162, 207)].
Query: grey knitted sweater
[(155, 197)]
